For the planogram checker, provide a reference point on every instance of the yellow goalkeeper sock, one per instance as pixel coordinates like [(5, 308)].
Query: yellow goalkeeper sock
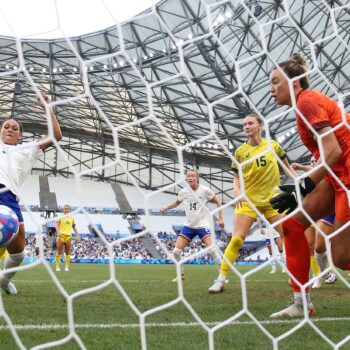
[(231, 253), (67, 260), (314, 266), (58, 260)]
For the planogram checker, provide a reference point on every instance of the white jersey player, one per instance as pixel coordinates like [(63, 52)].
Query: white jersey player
[(197, 223), (16, 162)]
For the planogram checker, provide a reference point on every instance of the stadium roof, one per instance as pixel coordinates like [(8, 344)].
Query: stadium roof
[(183, 74)]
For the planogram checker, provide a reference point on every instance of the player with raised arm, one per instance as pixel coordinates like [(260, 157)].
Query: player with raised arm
[(318, 255), (321, 123), (197, 223), (261, 176), (64, 228), (16, 162)]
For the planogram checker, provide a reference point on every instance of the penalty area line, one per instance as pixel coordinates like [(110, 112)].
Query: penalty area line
[(164, 325)]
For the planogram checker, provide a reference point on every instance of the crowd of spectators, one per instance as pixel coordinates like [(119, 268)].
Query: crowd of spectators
[(95, 248)]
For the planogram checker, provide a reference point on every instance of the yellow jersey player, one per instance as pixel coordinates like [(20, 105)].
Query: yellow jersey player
[(64, 229), (261, 176)]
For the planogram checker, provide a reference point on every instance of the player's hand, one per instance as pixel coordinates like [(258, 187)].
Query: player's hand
[(39, 101), (296, 166), (287, 200), (163, 210), (221, 223)]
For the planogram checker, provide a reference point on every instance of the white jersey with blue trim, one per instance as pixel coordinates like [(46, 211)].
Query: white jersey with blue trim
[(16, 163), (197, 216)]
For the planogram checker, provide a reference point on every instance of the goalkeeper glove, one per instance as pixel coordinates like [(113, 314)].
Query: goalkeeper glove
[(287, 200)]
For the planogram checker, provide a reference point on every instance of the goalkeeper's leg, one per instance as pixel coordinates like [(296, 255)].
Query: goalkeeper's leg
[(341, 242), (317, 204)]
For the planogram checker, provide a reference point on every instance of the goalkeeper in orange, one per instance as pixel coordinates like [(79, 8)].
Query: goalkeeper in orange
[(261, 176), (64, 229), (321, 125)]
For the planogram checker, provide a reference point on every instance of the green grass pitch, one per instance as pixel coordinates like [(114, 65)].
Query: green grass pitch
[(104, 320)]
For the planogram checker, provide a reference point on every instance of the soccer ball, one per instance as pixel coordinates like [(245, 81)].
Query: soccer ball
[(9, 225)]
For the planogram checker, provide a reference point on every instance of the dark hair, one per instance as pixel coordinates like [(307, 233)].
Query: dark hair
[(18, 122), (257, 117), (296, 66)]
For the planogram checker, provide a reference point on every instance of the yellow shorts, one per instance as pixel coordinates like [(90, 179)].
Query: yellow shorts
[(64, 238), (243, 208)]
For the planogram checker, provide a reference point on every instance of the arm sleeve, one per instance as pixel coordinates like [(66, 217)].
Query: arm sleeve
[(180, 196), (209, 194)]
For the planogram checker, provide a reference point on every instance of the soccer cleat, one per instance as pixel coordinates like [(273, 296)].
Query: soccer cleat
[(217, 287), (226, 281), (318, 283), (58, 269), (294, 310), (273, 270), (66, 268), (10, 288), (183, 277), (332, 277)]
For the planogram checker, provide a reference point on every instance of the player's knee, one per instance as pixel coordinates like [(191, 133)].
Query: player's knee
[(177, 253)]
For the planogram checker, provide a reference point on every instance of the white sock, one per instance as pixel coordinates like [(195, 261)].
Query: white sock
[(216, 256), (322, 260), (177, 255), (299, 300), (222, 278), (12, 260), (281, 257)]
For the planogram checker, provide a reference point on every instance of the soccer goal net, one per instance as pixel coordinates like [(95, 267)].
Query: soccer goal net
[(139, 104)]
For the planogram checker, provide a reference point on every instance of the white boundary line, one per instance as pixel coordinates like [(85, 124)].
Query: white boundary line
[(163, 325)]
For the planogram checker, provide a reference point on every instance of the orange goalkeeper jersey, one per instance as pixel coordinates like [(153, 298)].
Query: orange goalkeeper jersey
[(321, 111)]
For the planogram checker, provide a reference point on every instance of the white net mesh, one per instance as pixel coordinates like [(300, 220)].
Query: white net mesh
[(198, 68)]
